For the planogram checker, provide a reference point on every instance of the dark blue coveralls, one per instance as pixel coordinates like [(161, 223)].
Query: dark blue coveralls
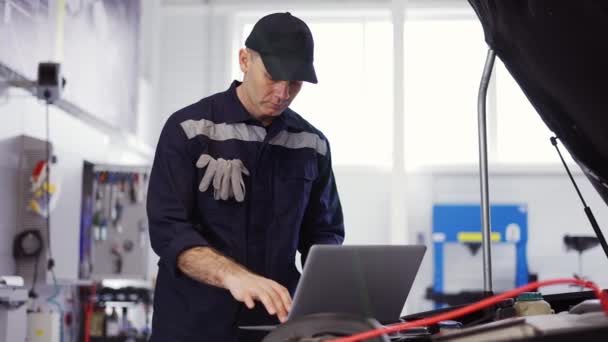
[(291, 203)]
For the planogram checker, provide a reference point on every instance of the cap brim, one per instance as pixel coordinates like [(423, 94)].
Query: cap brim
[(289, 69)]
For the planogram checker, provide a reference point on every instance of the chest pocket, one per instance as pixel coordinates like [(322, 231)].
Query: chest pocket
[(294, 180)]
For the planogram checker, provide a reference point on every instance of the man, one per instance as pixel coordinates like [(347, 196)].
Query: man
[(240, 182)]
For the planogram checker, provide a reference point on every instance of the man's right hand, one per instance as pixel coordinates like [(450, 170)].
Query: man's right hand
[(247, 287), (207, 265)]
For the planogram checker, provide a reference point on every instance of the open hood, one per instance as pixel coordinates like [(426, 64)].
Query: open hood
[(557, 51)]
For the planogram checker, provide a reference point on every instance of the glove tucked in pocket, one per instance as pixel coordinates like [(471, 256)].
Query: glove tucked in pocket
[(226, 176)]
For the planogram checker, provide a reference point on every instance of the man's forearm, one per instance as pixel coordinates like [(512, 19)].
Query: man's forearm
[(207, 265)]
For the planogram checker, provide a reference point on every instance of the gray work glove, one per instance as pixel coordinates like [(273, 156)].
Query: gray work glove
[(225, 175)]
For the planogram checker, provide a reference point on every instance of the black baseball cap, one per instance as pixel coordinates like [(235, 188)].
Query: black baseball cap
[(286, 46)]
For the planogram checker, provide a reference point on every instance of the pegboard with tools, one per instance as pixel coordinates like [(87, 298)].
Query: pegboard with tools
[(114, 240)]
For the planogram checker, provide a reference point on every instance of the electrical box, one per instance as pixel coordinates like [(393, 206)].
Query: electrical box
[(35, 196), (43, 327), (12, 313)]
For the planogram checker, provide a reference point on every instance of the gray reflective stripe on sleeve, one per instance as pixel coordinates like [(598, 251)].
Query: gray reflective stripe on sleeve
[(244, 132), (222, 131), (300, 140)]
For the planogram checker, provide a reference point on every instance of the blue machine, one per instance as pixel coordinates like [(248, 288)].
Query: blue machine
[(457, 223)]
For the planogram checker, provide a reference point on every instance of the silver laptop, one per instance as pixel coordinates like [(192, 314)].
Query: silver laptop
[(370, 281)]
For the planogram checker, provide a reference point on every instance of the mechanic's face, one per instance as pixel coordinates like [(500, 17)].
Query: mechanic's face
[(264, 97)]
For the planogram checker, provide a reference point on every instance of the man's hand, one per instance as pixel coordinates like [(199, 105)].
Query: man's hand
[(247, 287), (209, 266)]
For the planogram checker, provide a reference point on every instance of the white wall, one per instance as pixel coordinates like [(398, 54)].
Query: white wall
[(183, 53), (195, 50), (366, 204)]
